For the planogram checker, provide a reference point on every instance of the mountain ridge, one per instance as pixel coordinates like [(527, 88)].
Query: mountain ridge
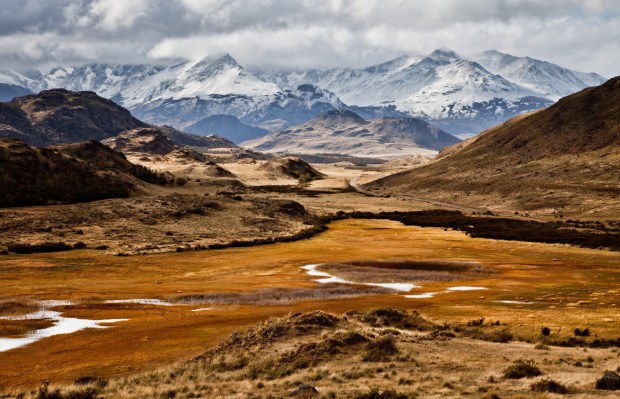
[(461, 94), (560, 160)]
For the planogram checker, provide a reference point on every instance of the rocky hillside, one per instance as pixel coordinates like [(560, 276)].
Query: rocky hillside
[(344, 132), (60, 116), (561, 160), (69, 173)]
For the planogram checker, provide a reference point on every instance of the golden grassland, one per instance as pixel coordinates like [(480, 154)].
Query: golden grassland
[(568, 287)]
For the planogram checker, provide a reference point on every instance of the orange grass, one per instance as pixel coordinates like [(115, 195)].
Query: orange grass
[(556, 277)]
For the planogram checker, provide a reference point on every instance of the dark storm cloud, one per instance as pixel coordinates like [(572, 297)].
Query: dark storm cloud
[(306, 33)]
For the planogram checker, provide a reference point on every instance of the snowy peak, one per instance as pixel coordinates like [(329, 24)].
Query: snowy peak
[(130, 85), (444, 56), (543, 78)]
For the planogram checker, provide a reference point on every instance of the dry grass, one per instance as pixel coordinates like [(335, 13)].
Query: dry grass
[(19, 328), (553, 278), (280, 296), (16, 307), (345, 358)]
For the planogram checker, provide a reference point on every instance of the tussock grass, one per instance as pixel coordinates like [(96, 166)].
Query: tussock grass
[(14, 307), (281, 296), (395, 318), (521, 369), (19, 328), (549, 386)]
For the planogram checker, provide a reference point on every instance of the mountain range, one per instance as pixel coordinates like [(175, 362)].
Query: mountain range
[(459, 94)]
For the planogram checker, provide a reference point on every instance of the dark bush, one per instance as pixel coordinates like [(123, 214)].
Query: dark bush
[(79, 245), (582, 333), (380, 350), (546, 331), (610, 381), (39, 248), (549, 386), (520, 370)]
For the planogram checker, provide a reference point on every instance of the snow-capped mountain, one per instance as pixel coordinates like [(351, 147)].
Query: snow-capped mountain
[(544, 78), (13, 84), (273, 111), (459, 94), (131, 85), (345, 132)]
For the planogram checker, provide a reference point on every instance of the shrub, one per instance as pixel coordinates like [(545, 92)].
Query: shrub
[(381, 349), (39, 248), (549, 386), (520, 370), (502, 336), (79, 245), (546, 331), (582, 333)]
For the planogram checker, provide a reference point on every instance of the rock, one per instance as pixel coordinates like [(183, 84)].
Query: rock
[(609, 382), (304, 391)]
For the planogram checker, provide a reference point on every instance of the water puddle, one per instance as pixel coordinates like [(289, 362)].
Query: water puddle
[(330, 279), (509, 302), (422, 296), (201, 309), (62, 325), (466, 288)]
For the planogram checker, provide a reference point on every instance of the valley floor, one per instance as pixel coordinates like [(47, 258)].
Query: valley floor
[(181, 307)]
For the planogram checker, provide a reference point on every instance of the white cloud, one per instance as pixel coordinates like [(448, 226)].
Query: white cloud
[(580, 34), (115, 14)]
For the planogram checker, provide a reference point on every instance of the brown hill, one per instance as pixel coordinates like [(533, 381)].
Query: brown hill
[(61, 116), (292, 167), (150, 146), (563, 160), (144, 140), (73, 173)]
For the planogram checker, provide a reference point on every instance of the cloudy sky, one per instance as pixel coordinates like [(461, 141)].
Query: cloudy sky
[(579, 34)]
